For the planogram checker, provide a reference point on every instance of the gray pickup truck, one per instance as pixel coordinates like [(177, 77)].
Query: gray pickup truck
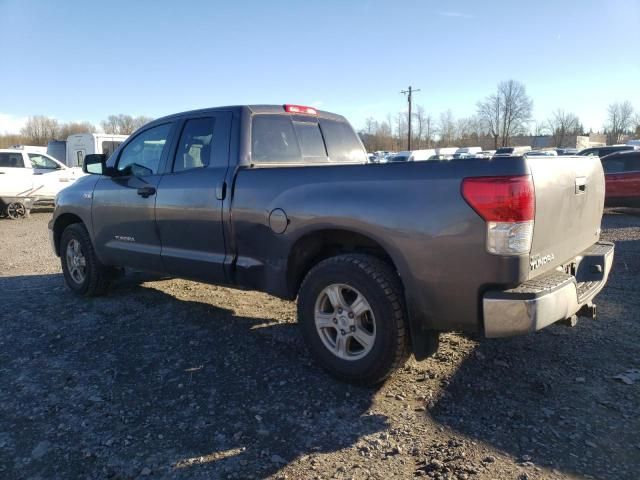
[(381, 257)]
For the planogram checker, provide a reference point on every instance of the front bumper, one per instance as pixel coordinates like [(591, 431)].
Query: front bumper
[(552, 297)]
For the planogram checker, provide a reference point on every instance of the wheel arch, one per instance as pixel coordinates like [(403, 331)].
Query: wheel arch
[(62, 222), (315, 246)]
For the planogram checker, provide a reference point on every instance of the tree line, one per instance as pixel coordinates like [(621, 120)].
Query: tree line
[(500, 116), (39, 129)]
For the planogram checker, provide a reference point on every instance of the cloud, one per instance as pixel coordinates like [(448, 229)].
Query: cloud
[(10, 123), (455, 14)]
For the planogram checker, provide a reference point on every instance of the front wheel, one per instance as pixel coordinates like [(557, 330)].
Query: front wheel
[(83, 272), (352, 315)]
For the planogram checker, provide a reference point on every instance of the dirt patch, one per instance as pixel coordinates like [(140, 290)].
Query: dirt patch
[(175, 379)]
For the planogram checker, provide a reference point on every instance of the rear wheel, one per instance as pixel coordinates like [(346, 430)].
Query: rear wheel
[(352, 315), (83, 272)]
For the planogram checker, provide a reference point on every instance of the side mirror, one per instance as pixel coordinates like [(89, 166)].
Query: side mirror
[(95, 164)]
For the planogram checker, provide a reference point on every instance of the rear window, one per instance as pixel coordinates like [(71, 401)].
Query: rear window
[(342, 142), (614, 164), (283, 139), (11, 160), (311, 141), (273, 140), (504, 150)]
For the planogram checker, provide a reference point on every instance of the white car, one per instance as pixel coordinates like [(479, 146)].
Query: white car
[(25, 173)]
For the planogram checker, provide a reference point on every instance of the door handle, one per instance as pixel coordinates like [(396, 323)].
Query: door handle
[(221, 190), (146, 192)]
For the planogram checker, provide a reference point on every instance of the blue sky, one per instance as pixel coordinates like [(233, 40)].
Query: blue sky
[(85, 60)]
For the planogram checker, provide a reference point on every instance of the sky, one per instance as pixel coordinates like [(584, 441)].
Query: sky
[(79, 60)]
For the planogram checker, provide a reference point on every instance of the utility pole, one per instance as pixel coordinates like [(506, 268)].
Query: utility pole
[(408, 93)]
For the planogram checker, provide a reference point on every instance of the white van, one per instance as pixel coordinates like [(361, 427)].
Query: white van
[(467, 152), (82, 144), (446, 150)]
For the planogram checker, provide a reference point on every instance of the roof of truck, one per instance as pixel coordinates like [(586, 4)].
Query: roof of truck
[(254, 109)]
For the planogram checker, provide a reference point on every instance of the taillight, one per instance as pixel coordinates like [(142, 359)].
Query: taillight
[(507, 204), (300, 109)]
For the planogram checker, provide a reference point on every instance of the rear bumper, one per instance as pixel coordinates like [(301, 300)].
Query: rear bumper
[(545, 300)]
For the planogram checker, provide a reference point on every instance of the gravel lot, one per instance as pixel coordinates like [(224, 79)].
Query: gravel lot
[(174, 379)]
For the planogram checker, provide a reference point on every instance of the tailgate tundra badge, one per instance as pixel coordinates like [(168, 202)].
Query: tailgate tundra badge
[(537, 261)]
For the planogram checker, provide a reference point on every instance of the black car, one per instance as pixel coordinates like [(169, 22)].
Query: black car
[(602, 151)]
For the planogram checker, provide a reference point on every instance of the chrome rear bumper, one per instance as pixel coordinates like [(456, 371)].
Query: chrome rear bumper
[(553, 297)]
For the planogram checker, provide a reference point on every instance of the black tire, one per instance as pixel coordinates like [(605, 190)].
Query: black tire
[(97, 276), (378, 283)]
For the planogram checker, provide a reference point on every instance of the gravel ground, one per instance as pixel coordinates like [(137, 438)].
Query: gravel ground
[(174, 379)]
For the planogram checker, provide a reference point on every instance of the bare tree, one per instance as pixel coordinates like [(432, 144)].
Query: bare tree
[(40, 129), (71, 128), (447, 128), (430, 130), (122, 124), (636, 125), (490, 113), (619, 121), (540, 129), (401, 119), (421, 120), (370, 125), (517, 108), (562, 125), (507, 112)]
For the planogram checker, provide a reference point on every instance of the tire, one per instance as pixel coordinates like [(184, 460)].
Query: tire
[(382, 327), (96, 277)]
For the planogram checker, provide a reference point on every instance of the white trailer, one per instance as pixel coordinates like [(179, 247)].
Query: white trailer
[(82, 144)]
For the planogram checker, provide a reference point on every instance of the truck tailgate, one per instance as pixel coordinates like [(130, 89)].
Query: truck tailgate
[(569, 204)]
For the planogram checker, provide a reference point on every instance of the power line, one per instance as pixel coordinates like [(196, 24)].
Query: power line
[(409, 93)]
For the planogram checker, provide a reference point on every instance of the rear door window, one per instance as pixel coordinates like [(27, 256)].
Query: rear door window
[(613, 164), (194, 147), (11, 160), (273, 140), (311, 141), (632, 162), (342, 142)]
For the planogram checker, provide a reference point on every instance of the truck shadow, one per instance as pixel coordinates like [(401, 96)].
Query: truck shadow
[(137, 380), (551, 397)]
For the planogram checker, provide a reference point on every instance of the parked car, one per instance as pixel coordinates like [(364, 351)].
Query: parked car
[(604, 151), (413, 155), (24, 172), (467, 152), (82, 144), (512, 151), (567, 151), (622, 176), (280, 199), (449, 151), (440, 157), (542, 153)]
